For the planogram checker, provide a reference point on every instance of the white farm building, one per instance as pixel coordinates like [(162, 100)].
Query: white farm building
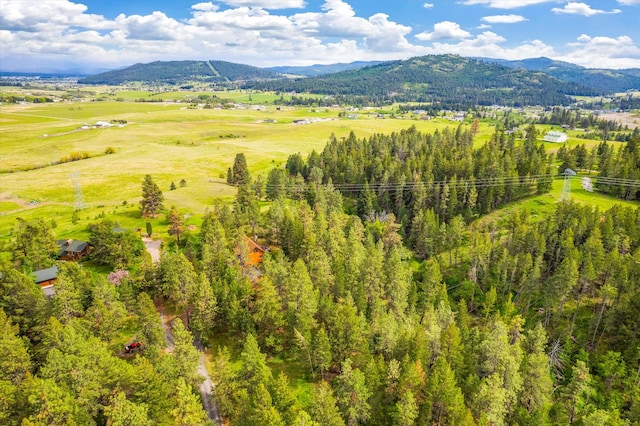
[(554, 136)]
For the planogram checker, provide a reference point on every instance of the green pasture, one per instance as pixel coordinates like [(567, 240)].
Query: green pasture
[(167, 140), (539, 206), (237, 96)]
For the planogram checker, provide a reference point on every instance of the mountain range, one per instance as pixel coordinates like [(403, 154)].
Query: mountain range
[(181, 72), (607, 80)]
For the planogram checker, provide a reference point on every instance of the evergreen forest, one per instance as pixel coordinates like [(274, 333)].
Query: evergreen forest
[(394, 289)]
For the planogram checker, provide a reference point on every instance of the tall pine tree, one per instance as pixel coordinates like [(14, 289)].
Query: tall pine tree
[(152, 198)]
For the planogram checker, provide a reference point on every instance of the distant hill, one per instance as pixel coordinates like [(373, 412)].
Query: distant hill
[(606, 80), (180, 72), (318, 69), (438, 78)]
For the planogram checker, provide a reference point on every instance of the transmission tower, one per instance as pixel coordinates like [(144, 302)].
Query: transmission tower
[(566, 188), (74, 177)]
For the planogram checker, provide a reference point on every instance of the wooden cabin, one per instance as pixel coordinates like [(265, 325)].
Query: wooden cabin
[(256, 252), (73, 249), (45, 279)]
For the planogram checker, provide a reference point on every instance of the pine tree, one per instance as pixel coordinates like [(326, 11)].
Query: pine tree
[(352, 394), (15, 362), (240, 171), (176, 223), (322, 350), (186, 355), (255, 366), (152, 198), (323, 407), (34, 244), (406, 410), (122, 412), (188, 410)]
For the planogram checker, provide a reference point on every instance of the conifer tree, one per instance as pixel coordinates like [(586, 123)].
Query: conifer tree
[(34, 244), (352, 394), (188, 410), (122, 412), (240, 171), (152, 198), (176, 223), (323, 407)]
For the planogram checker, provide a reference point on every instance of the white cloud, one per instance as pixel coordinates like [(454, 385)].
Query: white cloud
[(583, 9), (505, 4), (619, 52), (205, 7), (156, 26), (59, 32), (629, 2), (444, 30), (428, 5), (489, 44), (504, 19), (267, 4), (47, 16)]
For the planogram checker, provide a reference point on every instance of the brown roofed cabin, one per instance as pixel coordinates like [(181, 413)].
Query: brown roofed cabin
[(255, 252), (73, 249), (45, 279)]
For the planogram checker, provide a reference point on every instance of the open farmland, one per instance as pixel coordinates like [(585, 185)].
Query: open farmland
[(167, 140)]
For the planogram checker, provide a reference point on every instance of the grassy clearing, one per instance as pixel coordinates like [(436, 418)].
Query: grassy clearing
[(167, 141), (540, 206)]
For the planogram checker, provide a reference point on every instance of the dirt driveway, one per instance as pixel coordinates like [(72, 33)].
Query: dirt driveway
[(153, 247)]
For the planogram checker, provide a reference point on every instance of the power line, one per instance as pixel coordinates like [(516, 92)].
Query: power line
[(459, 184)]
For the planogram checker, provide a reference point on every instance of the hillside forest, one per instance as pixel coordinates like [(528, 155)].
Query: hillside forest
[(391, 293)]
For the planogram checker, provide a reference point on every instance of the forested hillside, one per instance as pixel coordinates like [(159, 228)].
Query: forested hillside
[(392, 293), (447, 79), (319, 69), (180, 72), (606, 80)]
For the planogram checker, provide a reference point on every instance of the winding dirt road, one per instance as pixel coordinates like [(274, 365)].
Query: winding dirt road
[(207, 388)]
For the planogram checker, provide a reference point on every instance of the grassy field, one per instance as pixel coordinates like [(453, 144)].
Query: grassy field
[(167, 140)]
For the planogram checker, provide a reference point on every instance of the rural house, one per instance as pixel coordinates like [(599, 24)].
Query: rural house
[(555, 136), (73, 249), (255, 253), (45, 279)]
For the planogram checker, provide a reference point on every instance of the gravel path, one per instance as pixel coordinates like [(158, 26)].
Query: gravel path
[(207, 388)]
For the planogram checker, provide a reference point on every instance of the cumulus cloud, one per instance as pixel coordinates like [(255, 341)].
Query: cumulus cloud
[(156, 26), (205, 7), (267, 4), (428, 5), (254, 32), (629, 2), (444, 30), (505, 4), (583, 9), (47, 15), (489, 44), (612, 52), (504, 19)]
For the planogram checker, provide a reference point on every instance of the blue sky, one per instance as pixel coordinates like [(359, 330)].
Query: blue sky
[(47, 35)]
